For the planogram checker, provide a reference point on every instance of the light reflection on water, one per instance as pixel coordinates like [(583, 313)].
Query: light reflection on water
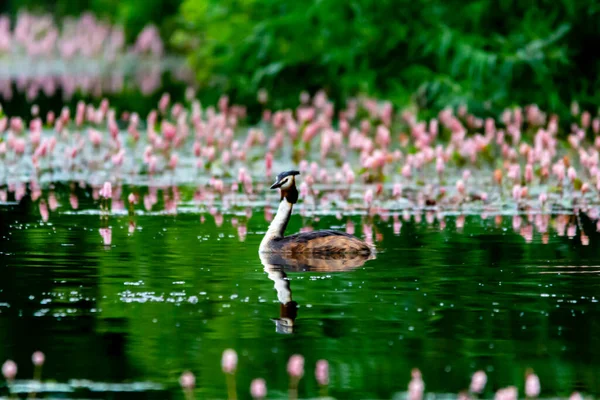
[(449, 299)]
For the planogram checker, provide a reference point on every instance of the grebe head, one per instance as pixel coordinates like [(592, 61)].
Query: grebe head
[(287, 317), (285, 180)]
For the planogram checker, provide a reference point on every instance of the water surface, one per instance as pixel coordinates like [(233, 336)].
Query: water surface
[(166, 292)]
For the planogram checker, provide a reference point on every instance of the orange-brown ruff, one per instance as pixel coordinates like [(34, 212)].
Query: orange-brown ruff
[(319, 242)]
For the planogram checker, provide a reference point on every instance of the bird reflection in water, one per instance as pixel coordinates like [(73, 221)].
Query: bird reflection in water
[(278, 265)]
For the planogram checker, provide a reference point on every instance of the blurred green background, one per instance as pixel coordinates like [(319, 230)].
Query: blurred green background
[(431, 53)]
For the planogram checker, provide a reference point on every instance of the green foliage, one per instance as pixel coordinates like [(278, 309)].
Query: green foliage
[(487, 53)]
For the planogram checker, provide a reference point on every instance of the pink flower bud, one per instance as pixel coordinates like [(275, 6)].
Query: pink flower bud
[(106, 191), (229, 361), (187, 380), (303, 190), (528, 173), (295, 367), (9, 370), (439, 165), (575, 396), (466, 175), (571, 174), (173, 161), (322, 372), (132, 199), (38, 358), (258, 388), (460, 186), (516, 192), (532, 385), (478, 381), (368, 197)]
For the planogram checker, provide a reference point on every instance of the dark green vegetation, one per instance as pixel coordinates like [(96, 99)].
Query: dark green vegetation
[(176, 293), (435, 53), (486, 53)]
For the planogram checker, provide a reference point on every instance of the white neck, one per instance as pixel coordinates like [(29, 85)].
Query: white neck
[(276, 274), (277, 227), (282, 285)]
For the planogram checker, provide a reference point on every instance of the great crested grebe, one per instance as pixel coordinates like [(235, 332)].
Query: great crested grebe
[(318, 242)]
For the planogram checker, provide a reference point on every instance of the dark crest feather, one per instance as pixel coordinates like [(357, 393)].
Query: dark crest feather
[(287, 173), (282, 176)]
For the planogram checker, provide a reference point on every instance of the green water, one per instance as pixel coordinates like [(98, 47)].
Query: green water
[(175, 293)]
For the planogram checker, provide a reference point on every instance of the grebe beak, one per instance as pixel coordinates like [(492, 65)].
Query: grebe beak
[(275, 185)]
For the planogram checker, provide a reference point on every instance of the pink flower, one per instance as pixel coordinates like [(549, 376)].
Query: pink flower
[(509, 393), (164, 102), (585, 119), (466, 175), (397, 190), (478, 381), (460, 186), (258, 388), (106, 234), (269, 161), (516, 192), (322, 372), (229, 361), (532, 385), (38, 358), (585, 188), (106, 191), (132, 198), (558, 169), (74, 201), (416, 386), (19, 145), (95, 137), (439, 165), (173, 161), (9, 370), (303, 189), (44, 211), (350, 227), (368, 198), (117, 159), (460, 221), (187, 380), (528, 173), (571, 174), (295, 367), (169, 130), (218, 185)]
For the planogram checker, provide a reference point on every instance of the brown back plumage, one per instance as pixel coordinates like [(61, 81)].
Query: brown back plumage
[(333, 262), (322, 242)]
